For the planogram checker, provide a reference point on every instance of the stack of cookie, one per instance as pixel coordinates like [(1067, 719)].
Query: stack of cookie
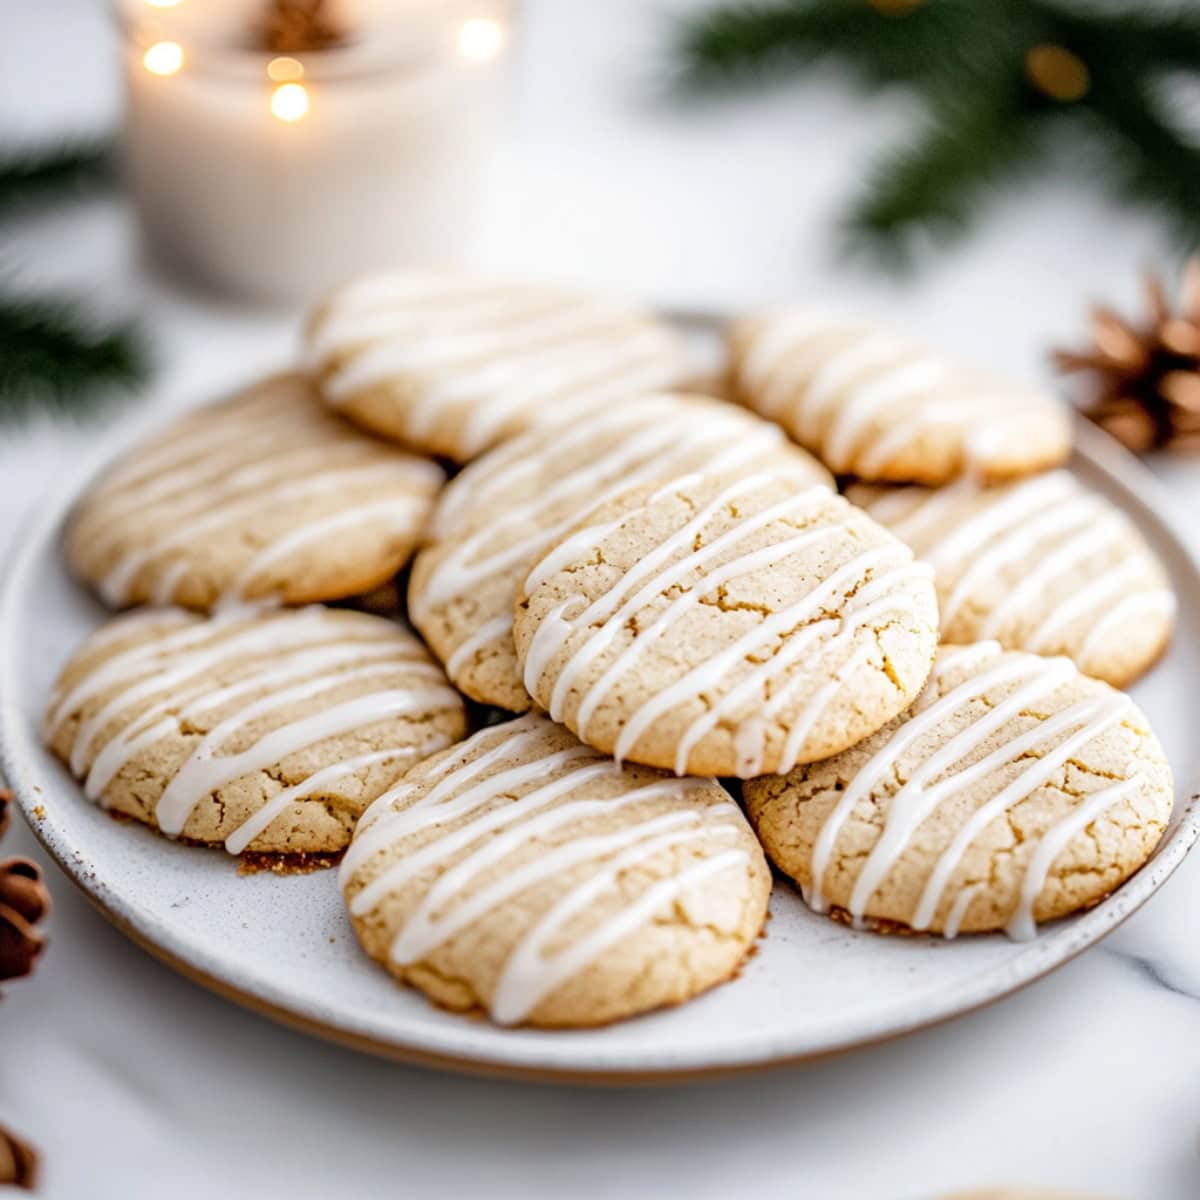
[(670, 589)]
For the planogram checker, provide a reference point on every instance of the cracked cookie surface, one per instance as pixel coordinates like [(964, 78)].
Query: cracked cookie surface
[(263, 496), (452, 364), (875, 404), (527, 875), (263, 732), (726, 625), (1015, 790), (1044, 565), (502, 512)]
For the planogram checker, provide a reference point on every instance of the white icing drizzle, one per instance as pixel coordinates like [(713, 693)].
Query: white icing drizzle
[(958, 910), (1021, 927), (940, 775), (841, 386), (658, 438), (662, 569), (245, 833), (506, 348), (1159, 602), (318, 652), (499, 819), (613, 607), (266, 451), (1050, 525), (487, 633), (116, 585), (1091, 716), (397, 515)]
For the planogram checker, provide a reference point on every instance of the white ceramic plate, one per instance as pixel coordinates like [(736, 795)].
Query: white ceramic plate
[(284, 947)]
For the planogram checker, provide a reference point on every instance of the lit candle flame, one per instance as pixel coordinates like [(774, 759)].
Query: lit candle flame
[(163, 58), (480, 38), (289, 101)]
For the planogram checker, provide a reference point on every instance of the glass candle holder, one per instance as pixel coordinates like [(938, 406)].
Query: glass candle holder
[(275, 176)]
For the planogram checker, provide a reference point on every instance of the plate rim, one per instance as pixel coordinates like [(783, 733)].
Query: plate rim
[(1140, 494)]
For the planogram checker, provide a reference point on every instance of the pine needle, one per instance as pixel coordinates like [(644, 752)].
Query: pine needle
[(53, 357), (34, 174), (988, 115), (931, 189)]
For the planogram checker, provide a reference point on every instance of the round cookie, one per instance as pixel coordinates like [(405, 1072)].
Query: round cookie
[(497, 518), (452, 364), (1043, 565), (264, 732), (263, 496), (523, 874), (885, 408), (1015, 790), (726, 625)]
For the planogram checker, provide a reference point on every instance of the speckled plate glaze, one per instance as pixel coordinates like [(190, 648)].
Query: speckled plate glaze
[(283, 946)]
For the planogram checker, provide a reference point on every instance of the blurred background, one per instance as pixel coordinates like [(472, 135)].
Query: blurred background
[(983, 176)]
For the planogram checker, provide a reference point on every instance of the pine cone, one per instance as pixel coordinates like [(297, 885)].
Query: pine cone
[(1147, 377), (18, 1162), (24, 901)]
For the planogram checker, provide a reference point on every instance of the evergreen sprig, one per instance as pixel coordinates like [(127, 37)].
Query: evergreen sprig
[(31, 174), (993, 110), (54, 356)]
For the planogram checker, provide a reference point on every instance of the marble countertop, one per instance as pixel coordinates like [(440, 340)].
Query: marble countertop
[(133, 1081)]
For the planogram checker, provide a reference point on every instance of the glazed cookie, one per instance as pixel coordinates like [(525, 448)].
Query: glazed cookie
[(526, 875), (1015, 790), (885, 408), (499, 516), (265, 732), (726, 625), (1043, 565), (264, 496), (451, 364)]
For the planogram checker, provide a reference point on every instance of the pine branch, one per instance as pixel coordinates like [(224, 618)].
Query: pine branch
[(1145, 157), (52, 356), (931, 188), (928, 46), (29, 175)]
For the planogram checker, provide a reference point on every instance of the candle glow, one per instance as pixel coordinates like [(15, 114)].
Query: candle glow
[(289, 101), (283, 70), (163, 58), (480, 38)]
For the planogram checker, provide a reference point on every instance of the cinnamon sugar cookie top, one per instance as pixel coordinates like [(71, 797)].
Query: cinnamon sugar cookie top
[(525, 874), (451, 364), (263, 732), (1044, 565), (872, 403), (726, 625), (499, 515), (265, 496), (1015, 790)]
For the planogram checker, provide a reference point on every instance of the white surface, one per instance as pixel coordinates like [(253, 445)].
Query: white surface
[(135, 1082), (813, 987)]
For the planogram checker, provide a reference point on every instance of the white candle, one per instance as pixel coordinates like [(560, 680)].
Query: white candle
[(277, 177)]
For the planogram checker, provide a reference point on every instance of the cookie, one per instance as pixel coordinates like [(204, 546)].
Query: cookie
[(726, 625), (523, 874), (263, 732), (451, 364), (1043, 565), (883, 407), (499, 516), (263, 496), (1015, 790)]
